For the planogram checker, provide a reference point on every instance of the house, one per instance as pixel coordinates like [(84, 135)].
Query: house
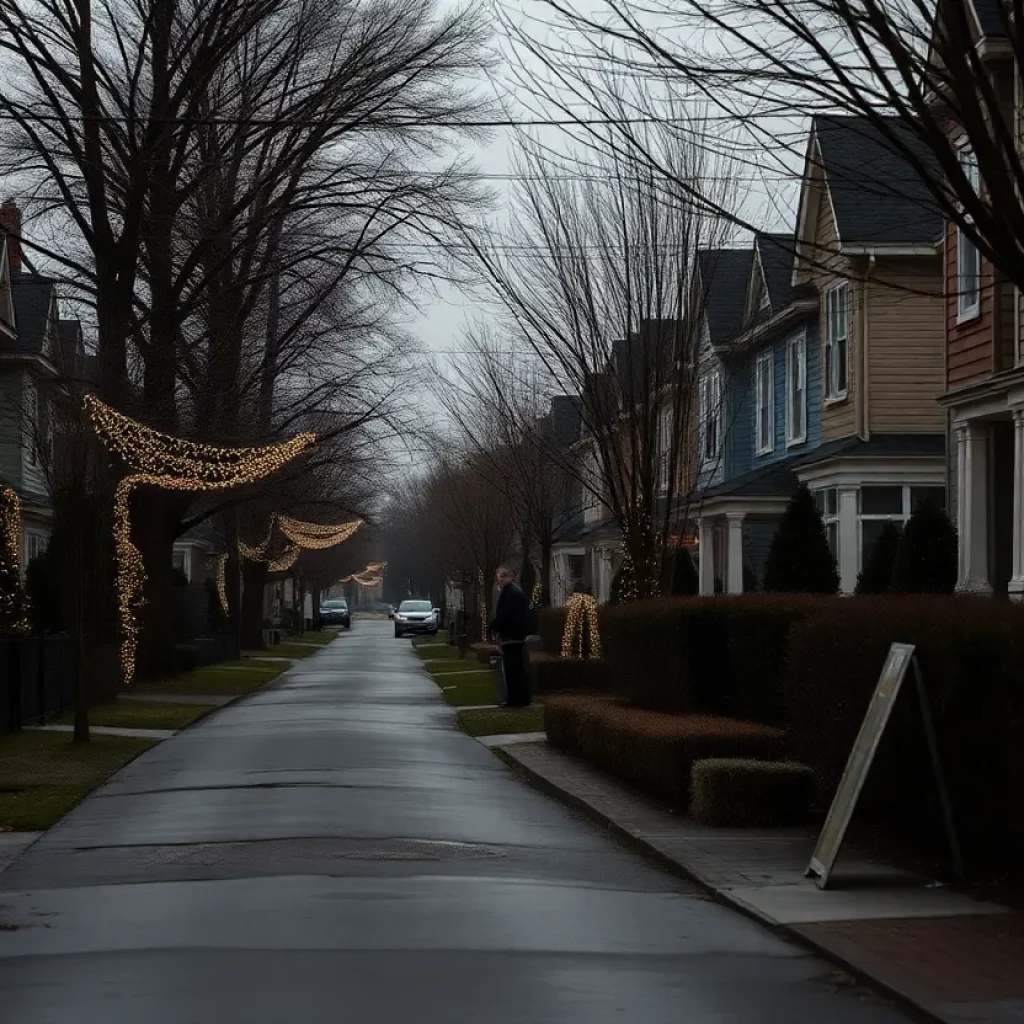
[(984, 376), (760, 386), (857, 333), (31, 346)]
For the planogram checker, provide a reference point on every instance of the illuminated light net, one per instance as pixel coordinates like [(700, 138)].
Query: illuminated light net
[(316, 536), (368, 577), (10, 547), (285, 560), (581, 624), (175, 464)]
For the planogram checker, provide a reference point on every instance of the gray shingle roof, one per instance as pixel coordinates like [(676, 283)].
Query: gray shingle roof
[(725, 274), (774, 481), (877, 196), (881, 446), (32, 297), (991, 20)]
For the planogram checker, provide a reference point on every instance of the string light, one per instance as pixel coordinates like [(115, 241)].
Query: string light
[(580, 625), (285, 560), (12, 602), (222, 583), (170, 463), (482, 602), (314, 536), (536, 594)]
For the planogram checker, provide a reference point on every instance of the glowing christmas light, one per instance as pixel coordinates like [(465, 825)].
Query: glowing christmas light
[(581, 625), (12, 603), (170, 463), (222, 589)]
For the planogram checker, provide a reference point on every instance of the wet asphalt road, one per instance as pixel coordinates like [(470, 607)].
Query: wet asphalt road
[(332, 850)]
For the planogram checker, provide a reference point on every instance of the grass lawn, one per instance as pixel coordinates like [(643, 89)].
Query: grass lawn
[(444, 652), (218, 679), (485, 722), (129, 714), (293, 651), (44, 774), (446, 666), (325, 636), (462, 688)]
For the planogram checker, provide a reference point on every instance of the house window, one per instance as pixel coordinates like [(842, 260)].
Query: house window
[(711, 415), (765, 411), (968, 259), (827, 502), (35, 545), (32, 424), (796, 390), (664, 448), (180, 563), (892, 503), (837, 340)]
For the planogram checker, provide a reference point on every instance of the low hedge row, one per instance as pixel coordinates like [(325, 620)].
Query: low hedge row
[(550, 628), (649, 749), (738, 792), (971, 654), (552, 674)]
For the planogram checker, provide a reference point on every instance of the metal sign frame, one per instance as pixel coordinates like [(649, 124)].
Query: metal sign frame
[(890, 682)]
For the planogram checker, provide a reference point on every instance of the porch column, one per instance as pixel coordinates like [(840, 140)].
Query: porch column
[(849, 540), (972, 507), (706, 553), (1016, 585), (734, 553)]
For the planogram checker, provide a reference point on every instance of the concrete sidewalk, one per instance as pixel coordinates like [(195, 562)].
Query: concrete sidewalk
[(940, 952)]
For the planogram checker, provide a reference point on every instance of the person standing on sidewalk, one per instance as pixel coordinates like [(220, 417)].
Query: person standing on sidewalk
[(511, 624)]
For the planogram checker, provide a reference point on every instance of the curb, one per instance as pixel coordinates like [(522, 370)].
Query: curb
[(675, 867)]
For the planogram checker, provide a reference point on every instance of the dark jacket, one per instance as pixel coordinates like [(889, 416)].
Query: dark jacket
[(511, 615)]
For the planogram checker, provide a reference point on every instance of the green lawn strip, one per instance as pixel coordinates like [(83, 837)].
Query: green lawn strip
[(443, 653), (44, 774), (487, 722), (216, 680), (325, 636), (130, 714), (446, 666), (292, 651), (461, 688)]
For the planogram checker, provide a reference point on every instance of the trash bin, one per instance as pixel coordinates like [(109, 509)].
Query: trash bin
[(498, 669)]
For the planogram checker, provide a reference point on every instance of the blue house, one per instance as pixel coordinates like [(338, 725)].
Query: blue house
[(760, 400)]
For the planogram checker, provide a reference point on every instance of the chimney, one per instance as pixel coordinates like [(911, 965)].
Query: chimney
[(10, 221)]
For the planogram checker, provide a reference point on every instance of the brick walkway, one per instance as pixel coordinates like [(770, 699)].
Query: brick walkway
[(953, 958)]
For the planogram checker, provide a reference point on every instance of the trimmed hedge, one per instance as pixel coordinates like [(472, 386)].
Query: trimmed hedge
[(550, 674), (971, 653), (737, 792), (652, 751), (721, 655)]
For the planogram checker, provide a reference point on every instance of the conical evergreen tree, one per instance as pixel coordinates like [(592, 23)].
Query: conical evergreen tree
[(876, 576), (800, 561), (684, 575), (927, 555)]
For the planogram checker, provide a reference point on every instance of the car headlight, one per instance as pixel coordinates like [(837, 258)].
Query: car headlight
[(401, 618)]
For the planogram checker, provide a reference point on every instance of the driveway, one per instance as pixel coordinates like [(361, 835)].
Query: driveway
[(333, 850)]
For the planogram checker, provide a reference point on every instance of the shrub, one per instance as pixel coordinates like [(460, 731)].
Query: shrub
[(738, 792), (550, 627), (876, 576), (926, 558), (551, 674), (650, 750), (684, 576), (970, 652), (42, 588), (799, 560), (186, 657)]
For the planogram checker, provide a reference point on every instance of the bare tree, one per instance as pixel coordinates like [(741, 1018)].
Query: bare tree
[(597, 276)]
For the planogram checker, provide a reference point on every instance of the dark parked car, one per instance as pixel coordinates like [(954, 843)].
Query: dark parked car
[(416, 617), (334, 612)]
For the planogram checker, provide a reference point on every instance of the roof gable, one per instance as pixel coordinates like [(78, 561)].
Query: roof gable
[(877, 196), (35, 310), (724, 275)]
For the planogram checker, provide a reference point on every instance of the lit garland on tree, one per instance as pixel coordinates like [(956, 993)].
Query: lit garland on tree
[(170, 463), (581, 638), (13, 617), (285, 560), (314, 536), (222, 583)]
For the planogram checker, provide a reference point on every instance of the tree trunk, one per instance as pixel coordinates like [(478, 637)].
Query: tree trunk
[(154, 529), (545, 572), (254, 580)]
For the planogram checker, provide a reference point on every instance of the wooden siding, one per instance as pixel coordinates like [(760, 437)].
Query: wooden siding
[(838, 418), (969, 348), (906, 340)]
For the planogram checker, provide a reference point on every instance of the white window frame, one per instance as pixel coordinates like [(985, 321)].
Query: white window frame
[(35, 544), (664, 448), (796, 362), (900, 519), (968, 302), (711, 415), (833, 391), (830, 520), (765, 418)]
